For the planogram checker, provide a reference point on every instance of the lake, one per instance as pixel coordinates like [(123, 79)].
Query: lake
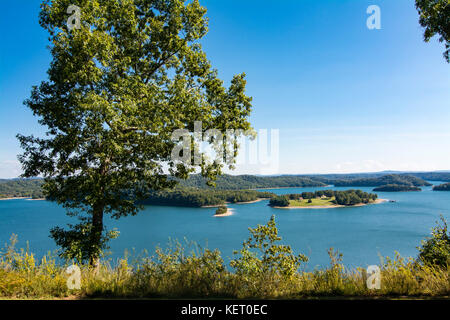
[(362, 234)]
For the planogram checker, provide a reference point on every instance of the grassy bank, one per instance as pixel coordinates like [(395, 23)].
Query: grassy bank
[(261, 269)]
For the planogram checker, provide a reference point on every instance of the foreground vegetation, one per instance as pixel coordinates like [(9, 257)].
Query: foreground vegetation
[(406, 180), (262, 268), (17, 188)]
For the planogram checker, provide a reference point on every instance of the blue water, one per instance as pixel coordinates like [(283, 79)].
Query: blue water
[(362, 234)]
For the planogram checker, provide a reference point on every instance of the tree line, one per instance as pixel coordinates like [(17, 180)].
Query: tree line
[(229, 182), (396, 188), (382, 181)]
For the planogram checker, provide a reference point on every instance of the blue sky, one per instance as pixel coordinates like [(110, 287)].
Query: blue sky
[(344, 98)]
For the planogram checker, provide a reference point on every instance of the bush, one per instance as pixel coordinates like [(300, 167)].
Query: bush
[(435, 250)]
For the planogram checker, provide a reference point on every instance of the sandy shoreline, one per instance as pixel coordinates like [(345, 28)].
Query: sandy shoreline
[(23, 198), (335, 206), (247, 202), (327, 186), (226, 214), (254, 201)]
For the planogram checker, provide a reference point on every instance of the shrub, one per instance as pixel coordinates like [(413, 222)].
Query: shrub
[(262, 264), (435, 250)]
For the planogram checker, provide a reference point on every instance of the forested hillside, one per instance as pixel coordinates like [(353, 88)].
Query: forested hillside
[(190, 197), (21, 188), (345, 198), (390, 179), (228, 182)]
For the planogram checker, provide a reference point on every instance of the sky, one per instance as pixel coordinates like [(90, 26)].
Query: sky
[(343, 98)]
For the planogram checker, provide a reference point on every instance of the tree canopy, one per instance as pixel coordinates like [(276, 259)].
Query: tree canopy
[(119, 84), (435, 18)]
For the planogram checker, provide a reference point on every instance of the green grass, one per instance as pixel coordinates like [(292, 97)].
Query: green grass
[(315, 202)]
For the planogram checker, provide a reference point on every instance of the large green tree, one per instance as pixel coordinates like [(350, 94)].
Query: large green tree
[(435, 18), (120, 82)]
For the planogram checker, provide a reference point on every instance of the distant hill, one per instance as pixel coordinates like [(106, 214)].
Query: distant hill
[(396, 188), (229, 182), (21, 188), (391, 179)]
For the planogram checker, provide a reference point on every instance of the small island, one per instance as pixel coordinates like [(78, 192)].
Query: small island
[(397, 188), (442, 187), (223, 211), (324, 199)]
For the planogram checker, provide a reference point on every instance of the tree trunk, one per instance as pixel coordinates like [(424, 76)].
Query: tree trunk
[(96, 234)]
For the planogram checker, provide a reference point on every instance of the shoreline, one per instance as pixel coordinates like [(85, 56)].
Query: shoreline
[(254, 201), (327, 186), (378, 201), (246, 202), (23, 198), (226, 214), (15, 198)]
